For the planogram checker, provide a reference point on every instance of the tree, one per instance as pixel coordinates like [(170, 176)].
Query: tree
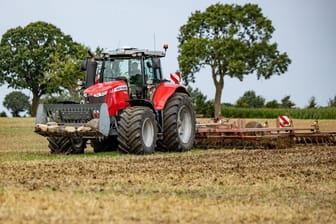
[(233, 41), (272, 104), (312, 103), (286, 102), (332, 102), (16, 102), (202, 105), (28, 56), (3, 114), (250, 100), (65, 73)]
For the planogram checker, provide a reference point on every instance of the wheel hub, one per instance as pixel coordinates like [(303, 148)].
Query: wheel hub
[(184, 125), (147, 132)]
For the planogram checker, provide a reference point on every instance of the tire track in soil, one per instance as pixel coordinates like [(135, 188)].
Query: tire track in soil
[(251, 166)]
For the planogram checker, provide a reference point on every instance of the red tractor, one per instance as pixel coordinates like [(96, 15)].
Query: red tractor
[(128, 107)]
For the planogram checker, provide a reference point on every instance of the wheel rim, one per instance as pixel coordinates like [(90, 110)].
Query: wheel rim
[(147, 132), (184, 126), (77, 142)]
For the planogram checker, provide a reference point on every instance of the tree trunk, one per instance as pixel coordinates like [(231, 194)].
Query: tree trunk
[(218, 97), (219, 84), (36, 99)]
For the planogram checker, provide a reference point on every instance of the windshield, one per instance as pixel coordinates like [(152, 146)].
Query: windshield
[(118, 67)]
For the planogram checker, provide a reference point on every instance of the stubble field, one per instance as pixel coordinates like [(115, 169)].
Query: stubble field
[(296, 185)]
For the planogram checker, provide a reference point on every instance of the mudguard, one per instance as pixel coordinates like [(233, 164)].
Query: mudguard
[(104, 120), (41, 115), (164, 91)]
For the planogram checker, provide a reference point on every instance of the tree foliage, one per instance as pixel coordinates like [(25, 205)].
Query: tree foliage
[(202, 105), (332, 102), (3, 114), (17, 102), (272, 104), (312, 103), (64, 74), (233, 41), (34, 58), (286, 102), (250, 100)]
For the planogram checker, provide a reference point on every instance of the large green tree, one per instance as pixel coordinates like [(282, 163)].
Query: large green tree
[(233, 41), (17, 102), (28, 56)]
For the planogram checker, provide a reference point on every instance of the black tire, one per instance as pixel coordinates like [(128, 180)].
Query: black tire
[(58, 144), (78, 146), (65, 145), (137, 131), (254, 124), (105, 145), (179, 124)]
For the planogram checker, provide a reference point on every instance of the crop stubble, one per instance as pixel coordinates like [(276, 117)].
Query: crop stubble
[(296, 185)]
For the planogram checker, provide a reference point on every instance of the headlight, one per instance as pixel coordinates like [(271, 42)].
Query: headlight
[(100, 94), (85, 95)]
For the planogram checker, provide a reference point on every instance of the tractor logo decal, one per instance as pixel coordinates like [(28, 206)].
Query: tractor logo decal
[(119, 88)]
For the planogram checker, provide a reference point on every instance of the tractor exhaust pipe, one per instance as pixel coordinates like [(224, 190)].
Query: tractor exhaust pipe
[(90, 66)]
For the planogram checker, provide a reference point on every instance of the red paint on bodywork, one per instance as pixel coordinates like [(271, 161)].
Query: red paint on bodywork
[(116, 96), (163, 92)]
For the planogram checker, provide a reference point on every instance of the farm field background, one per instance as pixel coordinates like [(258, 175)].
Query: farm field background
[(295, 185)]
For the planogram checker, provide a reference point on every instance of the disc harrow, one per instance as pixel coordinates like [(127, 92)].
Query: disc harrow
[(253, 135)]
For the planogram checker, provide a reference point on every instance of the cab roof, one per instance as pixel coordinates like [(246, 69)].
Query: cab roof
[(132, 52)]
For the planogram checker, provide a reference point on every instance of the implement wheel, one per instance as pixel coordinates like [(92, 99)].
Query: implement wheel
[(178, 123), (65, 145), (137, 130)]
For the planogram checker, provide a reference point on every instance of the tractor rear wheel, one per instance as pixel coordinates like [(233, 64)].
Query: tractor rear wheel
[(137, 130), (179, 124), (65, 145), (105, 145)]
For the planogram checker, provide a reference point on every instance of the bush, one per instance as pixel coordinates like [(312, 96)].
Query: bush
[(3, 114)]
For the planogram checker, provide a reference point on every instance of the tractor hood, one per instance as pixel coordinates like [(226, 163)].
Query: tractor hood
[(101, 89)]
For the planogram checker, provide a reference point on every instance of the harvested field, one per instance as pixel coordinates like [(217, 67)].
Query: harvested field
[(296, 185)]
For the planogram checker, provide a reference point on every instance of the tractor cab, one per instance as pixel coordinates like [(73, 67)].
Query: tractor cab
[(140, 69)]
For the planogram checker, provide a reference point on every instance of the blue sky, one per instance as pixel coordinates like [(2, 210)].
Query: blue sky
[(305, 29)]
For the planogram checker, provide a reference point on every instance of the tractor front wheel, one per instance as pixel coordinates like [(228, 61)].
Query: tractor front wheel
[(137, 130)]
